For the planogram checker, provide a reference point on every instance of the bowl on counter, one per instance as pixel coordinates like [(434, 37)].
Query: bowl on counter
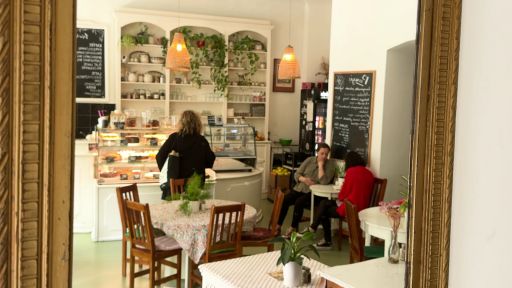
[(285, 142)]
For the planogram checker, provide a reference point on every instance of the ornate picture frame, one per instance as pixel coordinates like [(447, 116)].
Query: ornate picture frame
[(281, 85), (39, 241)]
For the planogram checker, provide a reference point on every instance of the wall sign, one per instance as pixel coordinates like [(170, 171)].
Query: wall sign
[(352, 113), (90, 63)]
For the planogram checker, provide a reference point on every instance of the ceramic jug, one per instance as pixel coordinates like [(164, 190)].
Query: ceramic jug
[(148, 78), (132, 77)]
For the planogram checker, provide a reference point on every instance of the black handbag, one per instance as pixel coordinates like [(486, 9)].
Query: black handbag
[(173, 165), (173, 171)]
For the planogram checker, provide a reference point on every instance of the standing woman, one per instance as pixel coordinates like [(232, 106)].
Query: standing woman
[(194, 150), (357, 188)]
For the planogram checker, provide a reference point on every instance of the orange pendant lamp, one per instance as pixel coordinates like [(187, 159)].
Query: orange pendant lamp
[(289, 67), (178, 58)]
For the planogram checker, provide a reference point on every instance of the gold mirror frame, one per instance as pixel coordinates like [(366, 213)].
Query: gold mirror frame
[(37, 138)]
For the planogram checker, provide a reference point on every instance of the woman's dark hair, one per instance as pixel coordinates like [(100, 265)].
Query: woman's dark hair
[(353, 159), (323, 145)]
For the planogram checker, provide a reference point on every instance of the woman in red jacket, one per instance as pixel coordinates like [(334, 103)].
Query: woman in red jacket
[(357, 188)]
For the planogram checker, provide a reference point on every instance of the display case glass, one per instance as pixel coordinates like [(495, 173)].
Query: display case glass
[(128, 155), (233, 141)]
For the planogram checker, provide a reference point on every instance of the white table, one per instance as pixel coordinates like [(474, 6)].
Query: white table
[(251, 271), (367, 274), (329, 191), (375, 223)]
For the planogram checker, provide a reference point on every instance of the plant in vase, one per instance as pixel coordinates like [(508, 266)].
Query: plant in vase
[(143, 35), (293, 251), (394, 211), (195, 192)]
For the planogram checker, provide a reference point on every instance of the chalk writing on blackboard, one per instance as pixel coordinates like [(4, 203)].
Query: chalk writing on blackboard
[(352, 113), (90, 63)]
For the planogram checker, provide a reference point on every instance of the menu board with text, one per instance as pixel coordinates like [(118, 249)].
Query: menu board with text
[(352, 113), (90, 63)]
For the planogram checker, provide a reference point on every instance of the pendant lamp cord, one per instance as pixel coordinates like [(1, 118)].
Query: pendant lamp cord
[(289, 21)]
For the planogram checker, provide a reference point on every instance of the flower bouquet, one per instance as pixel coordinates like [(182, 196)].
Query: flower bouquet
[(394, 210)]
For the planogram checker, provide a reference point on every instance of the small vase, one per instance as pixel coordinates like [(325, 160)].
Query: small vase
[(194, 206), (292, 275), (394, 249)]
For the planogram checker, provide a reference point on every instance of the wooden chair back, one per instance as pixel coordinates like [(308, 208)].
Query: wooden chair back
[(276, 210), (225, 232), (139, 225), (126, 193), (355, 233), (177, 186), (379, 189)]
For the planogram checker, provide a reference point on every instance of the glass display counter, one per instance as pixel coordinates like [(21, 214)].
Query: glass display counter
[(128, 155)]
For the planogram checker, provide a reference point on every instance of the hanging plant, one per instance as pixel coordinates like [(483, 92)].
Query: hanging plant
[(244, 55), (216, 45), (164, 41), (128, 40)]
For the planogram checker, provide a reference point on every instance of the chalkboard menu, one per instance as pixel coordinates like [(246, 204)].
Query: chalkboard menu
[(90, 63), (352, 113)]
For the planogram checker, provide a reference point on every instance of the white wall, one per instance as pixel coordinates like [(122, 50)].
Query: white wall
[(309, 36), (480, 251), (397, 117), (361, 34)]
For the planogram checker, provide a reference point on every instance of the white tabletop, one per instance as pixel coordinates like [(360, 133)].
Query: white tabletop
[(251, 271), (329, 191), (376, 223), (367, 274)]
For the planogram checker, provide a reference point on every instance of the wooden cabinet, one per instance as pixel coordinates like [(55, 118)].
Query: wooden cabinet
[(245, 92)]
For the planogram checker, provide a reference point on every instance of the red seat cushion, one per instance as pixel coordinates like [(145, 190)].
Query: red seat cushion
[(258, 233)]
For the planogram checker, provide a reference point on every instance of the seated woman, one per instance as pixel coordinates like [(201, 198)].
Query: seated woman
[(314, 170), (357, 188)]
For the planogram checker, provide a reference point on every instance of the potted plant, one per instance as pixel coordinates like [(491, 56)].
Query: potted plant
[(195, 192), (293, 251), (143, 35)]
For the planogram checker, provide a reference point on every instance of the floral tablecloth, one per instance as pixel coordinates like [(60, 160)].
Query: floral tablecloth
[(191, 231)]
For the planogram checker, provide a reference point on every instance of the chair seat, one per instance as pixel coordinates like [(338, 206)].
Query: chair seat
[(258, 233), (166, 243), (373, 251)]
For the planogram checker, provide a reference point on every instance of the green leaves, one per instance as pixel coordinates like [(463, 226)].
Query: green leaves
[(296, 248)]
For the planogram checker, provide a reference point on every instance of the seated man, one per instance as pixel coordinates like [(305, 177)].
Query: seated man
[(314, 170), (357, 188)]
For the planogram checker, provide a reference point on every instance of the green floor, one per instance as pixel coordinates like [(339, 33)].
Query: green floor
[(98, 264)]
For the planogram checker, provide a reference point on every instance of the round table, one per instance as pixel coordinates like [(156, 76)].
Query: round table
[(191, 231), (375, 223), (329, 191)]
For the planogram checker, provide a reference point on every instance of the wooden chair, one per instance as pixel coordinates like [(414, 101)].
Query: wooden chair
[(148, 250), (379, 189), (177, 186), (130, 193), (359, 252), (260, 236), (224, 235)]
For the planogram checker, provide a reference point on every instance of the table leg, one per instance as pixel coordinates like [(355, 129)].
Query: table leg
[(367, 239), (311, 211), (185, 257), (387, 242)]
